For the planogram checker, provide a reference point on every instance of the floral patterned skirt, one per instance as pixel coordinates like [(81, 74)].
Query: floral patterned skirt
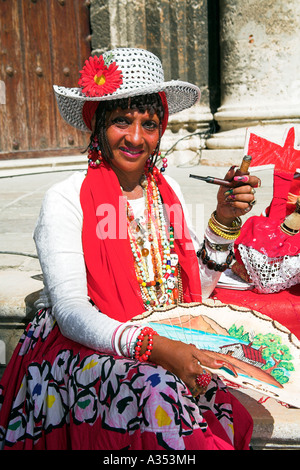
[(57, 394)]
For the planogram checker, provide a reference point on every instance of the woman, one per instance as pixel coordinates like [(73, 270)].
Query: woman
[(114, 243)]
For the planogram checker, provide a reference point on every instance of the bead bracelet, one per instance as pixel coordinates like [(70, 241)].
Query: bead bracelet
[(211, 264), (145, 331)]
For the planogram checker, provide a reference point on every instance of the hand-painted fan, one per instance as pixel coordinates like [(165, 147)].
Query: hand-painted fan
[(265, 355)]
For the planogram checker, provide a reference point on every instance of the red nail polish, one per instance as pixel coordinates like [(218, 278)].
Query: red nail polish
[(243, 179)]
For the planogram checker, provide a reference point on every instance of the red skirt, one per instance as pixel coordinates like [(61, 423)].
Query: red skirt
[(57, 394)]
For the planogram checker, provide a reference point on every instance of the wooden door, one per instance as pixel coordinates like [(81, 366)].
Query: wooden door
[(42, 42)]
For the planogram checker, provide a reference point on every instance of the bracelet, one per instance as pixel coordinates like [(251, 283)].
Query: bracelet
[(145, 331), (115, 340), (218, 246), (127, 340), (235, 226), (221, 233), (212, 264)]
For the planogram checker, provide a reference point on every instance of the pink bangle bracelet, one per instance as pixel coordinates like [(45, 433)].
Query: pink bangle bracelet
[(147, 331)]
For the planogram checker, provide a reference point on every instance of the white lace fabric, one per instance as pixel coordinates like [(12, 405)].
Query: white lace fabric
[(270, 274)]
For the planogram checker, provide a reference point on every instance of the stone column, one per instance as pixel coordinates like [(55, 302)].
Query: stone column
[(260, 72), (177, 32)]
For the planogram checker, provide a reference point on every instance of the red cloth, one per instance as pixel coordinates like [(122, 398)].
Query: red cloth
[(289, 199), (283, 307), (111, 277), (293, 194), (282, 182), (88, 111), (264, 233)]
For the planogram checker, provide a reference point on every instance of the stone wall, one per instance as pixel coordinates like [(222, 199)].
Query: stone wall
[(243, 55), (260, 70)]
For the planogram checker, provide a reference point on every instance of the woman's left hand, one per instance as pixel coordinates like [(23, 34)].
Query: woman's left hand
[(238, 200)]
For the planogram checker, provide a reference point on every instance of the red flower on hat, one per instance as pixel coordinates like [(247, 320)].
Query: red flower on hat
[(98, 79)]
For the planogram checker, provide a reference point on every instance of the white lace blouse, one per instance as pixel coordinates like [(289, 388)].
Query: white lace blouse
[(57, 237)]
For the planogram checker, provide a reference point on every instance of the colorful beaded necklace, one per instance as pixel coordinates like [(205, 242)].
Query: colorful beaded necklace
[(162, 288)]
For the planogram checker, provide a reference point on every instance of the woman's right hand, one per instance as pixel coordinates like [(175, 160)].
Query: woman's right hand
[(186, 361)]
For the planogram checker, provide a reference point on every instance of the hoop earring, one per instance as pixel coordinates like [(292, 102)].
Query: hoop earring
[(94, 153)]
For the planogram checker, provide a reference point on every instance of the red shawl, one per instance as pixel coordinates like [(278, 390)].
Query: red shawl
[(264, 233), (111, 277)]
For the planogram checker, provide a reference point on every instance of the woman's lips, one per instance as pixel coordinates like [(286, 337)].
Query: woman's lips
[(131, 152)]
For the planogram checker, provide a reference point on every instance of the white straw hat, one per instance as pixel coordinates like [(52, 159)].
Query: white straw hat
[(133, 72)]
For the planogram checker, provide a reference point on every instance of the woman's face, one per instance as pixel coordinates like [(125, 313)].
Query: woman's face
[(132, 136)]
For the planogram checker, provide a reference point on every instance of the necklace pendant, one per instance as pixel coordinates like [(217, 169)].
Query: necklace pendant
[(174, 259), (172, 282), (145, 252), (162, 300)]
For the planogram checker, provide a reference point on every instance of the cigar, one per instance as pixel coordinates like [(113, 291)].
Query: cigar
[(245, 165), (241, 171)]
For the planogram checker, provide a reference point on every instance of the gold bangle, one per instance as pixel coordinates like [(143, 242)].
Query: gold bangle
[(236, 224), (221, 233)]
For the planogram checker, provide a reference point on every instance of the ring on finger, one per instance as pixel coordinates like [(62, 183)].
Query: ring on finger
[(253, 191), (252, 203), (203, 380)]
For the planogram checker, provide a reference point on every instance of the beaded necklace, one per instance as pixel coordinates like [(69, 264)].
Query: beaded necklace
[(161, 288)]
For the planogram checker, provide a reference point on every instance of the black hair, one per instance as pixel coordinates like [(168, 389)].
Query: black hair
[(142, 103)]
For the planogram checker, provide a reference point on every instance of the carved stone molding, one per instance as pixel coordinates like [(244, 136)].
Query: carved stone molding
[(260, 63)]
